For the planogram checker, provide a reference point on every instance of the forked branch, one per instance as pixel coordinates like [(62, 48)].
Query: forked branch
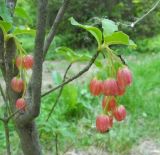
[(60, 93), (54, 27)]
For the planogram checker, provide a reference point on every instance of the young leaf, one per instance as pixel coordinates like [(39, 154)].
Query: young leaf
[(108, 27), (66, 52), (7, 26), (72, 56), (117, 38), (28, 31), (93, 30)]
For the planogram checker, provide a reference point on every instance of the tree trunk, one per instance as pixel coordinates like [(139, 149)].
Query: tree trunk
[(27, 132), (29, 139)]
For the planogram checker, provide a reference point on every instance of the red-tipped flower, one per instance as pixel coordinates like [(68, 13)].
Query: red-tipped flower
[(124, 77), (110, 87), (110, 102), (17, 84), (28, 61), (20, 104), (95, 87), (103, 123), (120, 113)]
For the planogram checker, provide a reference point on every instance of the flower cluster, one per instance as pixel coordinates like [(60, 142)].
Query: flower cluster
[(111, 88), (18, 83)]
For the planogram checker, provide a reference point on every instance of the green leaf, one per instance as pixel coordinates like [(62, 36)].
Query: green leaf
[(7, 26), (98, 63), (67, 53), (117, 38), (109, 27), (93, 30), (20, 12), (28, 31), (72, 56), (4, 12)]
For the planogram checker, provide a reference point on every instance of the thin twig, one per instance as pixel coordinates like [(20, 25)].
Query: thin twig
[(2, 93), (56, 139), (76, 76), (6, 129), (143, 16), (5, 101), (60, 92), (54, 27), (7, 119), (12, 115)]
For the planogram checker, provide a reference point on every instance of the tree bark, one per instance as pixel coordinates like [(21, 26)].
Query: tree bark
[(29, 139), (24, 121), (27, 132)]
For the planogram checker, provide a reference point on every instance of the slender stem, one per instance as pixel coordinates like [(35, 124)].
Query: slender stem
[(76, 76), (141, 18), (6, 129), (56, 139), (60, 92), (115, 56), (113, 71), (13, 114), (54, 27), (2, 93), (58, 96), (6, 104), (5, 119), (132, 24)]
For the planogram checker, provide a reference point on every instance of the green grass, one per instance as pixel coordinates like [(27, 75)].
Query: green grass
[(74, 116)]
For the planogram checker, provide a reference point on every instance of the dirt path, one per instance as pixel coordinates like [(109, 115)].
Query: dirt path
[(144, 147)]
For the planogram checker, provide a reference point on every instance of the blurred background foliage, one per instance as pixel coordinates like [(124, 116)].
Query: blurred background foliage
[(86, 11)]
